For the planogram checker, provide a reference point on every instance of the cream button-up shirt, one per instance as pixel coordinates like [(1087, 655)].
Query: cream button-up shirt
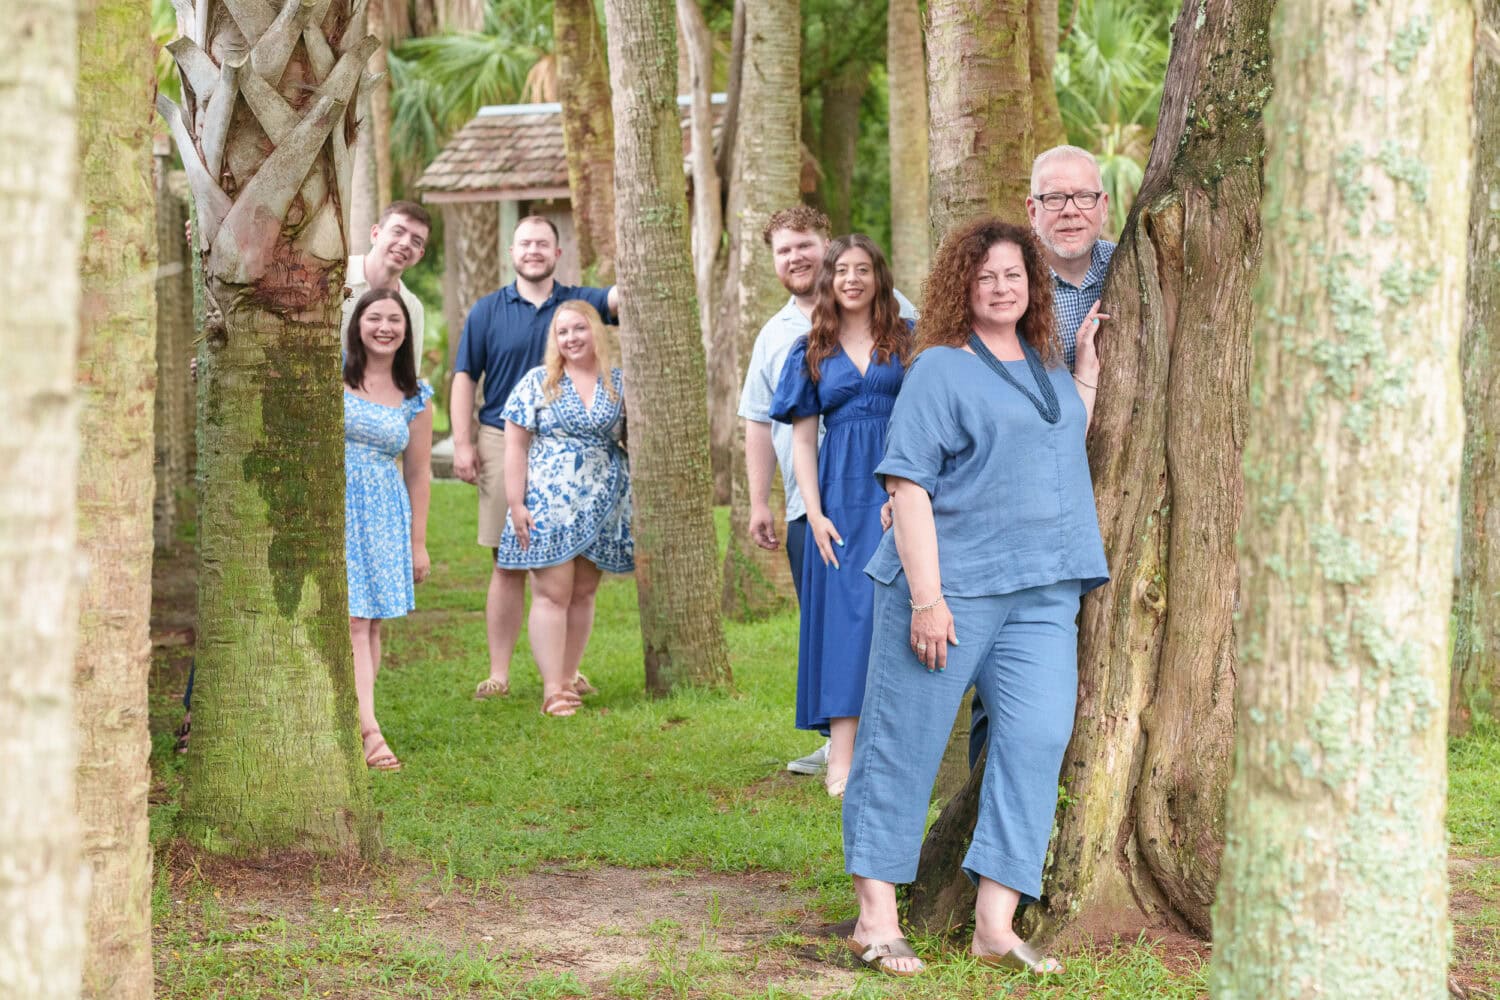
[(355, 283)]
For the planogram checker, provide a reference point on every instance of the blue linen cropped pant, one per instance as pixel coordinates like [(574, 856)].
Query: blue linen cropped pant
[(1020, 652)]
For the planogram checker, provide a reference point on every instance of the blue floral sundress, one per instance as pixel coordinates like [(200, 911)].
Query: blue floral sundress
[(377, 509), (577, 477)]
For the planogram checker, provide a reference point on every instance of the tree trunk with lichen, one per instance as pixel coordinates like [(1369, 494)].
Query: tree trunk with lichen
[(1046, 116), (838, 138), (43, 876), (906, 67), (767, 177), (116, 487), (588, 133), (662, 350), (979, 99), (1335, 880), (275, 760), (1139, 837), (1476, 647)]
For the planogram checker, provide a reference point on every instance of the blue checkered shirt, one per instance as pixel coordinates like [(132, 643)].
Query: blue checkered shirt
[(1070, 303)]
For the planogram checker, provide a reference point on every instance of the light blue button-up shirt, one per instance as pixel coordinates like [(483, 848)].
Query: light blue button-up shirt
[(1070, 303)]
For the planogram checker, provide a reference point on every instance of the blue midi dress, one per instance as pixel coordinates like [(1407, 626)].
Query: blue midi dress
[(833, 648), (377, 509), (577, 477)]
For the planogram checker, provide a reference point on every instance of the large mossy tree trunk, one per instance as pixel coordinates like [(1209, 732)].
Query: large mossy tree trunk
[(906, 69), (1334, 871), (981, 141), (43, 877), (588, 133), (1145, 774), (116, 488), (1476, 646), (838, 139), (1046, 116), (767, 177), (676, 561), (265, 138)]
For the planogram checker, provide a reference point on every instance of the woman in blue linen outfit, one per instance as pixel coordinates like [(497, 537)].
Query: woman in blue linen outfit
[(847, 371), (995, 539), (387, 467), (567, 481)]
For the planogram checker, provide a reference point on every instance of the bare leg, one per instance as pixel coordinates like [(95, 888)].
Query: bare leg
[(586, 578), (551, 593), (364, 635), (504, 607), (994, 911), (374, 654), (878, 922), (840, 751)]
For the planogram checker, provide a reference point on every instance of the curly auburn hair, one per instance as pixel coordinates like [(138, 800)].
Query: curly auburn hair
[(892, 338), (798, 218), (948, 318)]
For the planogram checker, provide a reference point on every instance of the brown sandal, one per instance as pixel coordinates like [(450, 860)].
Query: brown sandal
[(374, 759), (562, 704), (581, 686), (1022, 958), (875, 956), (491, 688)]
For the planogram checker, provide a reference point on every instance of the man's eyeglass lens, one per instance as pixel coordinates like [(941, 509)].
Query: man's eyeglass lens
[(1055, 201)]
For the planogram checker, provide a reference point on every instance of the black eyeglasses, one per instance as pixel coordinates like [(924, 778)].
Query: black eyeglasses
[(1054, 201)]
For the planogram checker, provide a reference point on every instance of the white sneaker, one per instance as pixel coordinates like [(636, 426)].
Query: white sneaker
[(814, 763)]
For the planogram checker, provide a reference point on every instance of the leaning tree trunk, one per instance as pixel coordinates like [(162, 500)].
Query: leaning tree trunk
[(675, 552), (275, 759), (43, 879), (588, 133), (1476, 647), (767, 177), (906, 67), (116, 381), (708, 205), (838, 139), (979, 96), (1145, 774), (1335, 880)]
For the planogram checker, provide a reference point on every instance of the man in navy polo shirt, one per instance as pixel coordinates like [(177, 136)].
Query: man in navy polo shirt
[(504, 337)]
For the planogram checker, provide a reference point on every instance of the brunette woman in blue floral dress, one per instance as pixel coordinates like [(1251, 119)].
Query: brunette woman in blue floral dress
[(387, 465), (846, 372), (567, 482)]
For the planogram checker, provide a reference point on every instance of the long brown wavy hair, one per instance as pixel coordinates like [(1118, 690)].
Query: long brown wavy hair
[(892, 338), (948, 318)]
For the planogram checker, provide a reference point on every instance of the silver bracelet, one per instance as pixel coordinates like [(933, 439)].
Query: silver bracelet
[(1083, 383), (924, 607)]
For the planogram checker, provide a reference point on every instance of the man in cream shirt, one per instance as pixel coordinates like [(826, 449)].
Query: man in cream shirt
[(397, 241)]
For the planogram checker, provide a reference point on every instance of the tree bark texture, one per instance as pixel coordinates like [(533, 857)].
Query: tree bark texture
[(275, 760), (708, 205), (906, 69), (588, 132), (767, 177), (116, 487), (1334, 871), (1476, 648), (1046, 116), (675, 552), (43, 877), (1141, 831), (979, 99), (175, 333), (838, 135)]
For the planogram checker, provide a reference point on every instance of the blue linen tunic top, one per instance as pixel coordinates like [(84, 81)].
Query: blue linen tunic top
[(1011, 494)]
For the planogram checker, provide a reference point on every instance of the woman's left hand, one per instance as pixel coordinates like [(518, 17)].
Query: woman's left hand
[(1086, 358), (421, 564), (932, 629)]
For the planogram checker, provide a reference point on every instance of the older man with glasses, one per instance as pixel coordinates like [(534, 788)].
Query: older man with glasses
[(1067, 208)]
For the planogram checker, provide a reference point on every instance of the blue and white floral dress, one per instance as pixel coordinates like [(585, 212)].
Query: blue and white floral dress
[(577, 477), (377, 509)]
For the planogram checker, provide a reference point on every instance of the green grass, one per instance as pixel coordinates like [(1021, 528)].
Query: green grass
[(692, 783)]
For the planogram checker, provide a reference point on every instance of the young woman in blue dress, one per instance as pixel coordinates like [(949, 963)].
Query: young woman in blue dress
[(567, 482), (386, 418), (846, 372)]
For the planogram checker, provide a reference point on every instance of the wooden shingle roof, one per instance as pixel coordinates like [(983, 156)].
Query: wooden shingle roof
[(510, 152)]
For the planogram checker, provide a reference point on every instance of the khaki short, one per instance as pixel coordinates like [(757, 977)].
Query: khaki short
[(492, 506)]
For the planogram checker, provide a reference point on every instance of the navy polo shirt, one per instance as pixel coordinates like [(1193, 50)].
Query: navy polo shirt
[(505, 336)]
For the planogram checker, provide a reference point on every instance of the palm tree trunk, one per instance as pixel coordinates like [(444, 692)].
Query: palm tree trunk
[(906, 67), (1336, 847), (1476, 648), (43, 878), (1046, 117), (675, 551), (767, 177), (588, 133), (275, 759), (979, 96), (838, 135), (117, 380), (175, 333)]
